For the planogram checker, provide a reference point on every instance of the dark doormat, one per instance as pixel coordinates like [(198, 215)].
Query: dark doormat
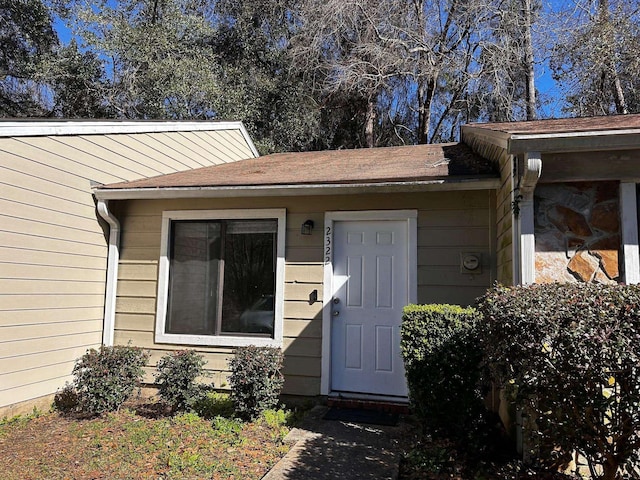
[(359, 415)]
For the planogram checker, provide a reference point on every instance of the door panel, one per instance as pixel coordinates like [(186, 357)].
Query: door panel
[(370, 282)]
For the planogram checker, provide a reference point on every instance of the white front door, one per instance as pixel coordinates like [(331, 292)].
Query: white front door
[(370, 287)]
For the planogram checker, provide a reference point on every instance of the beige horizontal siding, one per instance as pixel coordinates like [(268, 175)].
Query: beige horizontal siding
[(38, 257), (18, 332), (11, 193), (234, 149), (51, 230), (36, 389), (449, 223), (41, 301), (53, 249), (48, 272), (82, 149), (34, 243), (24, 286), (48, 315), (45, 344), (24, 363)]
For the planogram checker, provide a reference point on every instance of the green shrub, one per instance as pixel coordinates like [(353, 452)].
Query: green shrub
[(66, 400), (104, 379), (255, 380), (569, 357), (176, 377), (442, 356)]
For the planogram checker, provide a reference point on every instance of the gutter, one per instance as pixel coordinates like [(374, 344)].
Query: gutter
[(295, 190), (113, 259)]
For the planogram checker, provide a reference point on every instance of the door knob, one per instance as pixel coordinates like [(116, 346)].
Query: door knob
[(335, 313)]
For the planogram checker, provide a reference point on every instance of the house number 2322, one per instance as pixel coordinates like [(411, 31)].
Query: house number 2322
[(327, 246)]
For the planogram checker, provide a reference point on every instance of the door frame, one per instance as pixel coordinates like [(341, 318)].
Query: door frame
[(411, 217)]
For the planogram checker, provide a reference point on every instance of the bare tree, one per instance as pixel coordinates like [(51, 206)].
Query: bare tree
[(596, 56), (411, 61)]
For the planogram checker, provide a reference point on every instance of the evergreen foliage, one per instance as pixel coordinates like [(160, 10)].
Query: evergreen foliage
[(104, 379), (442, 361), (176, 378), (569, 357), (256, 380)]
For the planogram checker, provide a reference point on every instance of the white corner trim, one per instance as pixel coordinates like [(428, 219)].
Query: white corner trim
[(163, 278), (411, 217), (629, 219), (113, 259), (247, 138)]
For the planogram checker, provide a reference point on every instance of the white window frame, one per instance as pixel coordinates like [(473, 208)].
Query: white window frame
[(163, 279)]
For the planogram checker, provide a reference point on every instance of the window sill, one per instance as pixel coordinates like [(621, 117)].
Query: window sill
[(217, 341)]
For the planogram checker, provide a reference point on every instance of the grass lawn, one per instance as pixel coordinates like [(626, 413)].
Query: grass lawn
[(140, 442)]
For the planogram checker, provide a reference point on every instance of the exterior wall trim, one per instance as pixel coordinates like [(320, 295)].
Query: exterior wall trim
[(293, 190), (411, 216), (629, 218), (113, 259), (163, 279)]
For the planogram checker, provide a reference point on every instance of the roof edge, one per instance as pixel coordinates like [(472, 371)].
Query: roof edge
[(32, 128), (296, 190), (583, 140)]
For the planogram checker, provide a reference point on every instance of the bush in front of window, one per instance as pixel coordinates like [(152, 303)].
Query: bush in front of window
[(104, 379), (256, 380), (176, 379)]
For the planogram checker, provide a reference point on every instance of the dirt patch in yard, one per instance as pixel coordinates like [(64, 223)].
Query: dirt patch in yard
[(139, 444)]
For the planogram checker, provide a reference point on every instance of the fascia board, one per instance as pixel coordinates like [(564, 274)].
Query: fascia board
[(296, 190), (574, 142), (484, 135)]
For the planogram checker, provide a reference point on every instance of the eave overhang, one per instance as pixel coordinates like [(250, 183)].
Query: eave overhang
[(489, 183), (518, 143)]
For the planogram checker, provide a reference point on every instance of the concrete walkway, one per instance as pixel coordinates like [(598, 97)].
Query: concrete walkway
[(330, 449)]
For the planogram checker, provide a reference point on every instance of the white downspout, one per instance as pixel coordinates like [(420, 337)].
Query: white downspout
[(526, 220), (113, 259)]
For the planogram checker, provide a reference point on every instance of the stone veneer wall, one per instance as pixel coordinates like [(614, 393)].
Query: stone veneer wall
[(577, 232)]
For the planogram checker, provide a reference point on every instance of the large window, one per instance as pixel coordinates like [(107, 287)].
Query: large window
[(220, 278)]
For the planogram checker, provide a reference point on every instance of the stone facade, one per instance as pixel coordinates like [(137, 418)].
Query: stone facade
[(577, 232)]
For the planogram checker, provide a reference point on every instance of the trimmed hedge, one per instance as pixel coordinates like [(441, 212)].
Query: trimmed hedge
[(256, 380), (442, 362), (104, 379), (569, 356), (176, 377)]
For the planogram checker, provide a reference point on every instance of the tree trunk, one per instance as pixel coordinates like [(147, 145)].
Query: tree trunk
[(528, 60), (425, 98), (618, 93), (369, 124)]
